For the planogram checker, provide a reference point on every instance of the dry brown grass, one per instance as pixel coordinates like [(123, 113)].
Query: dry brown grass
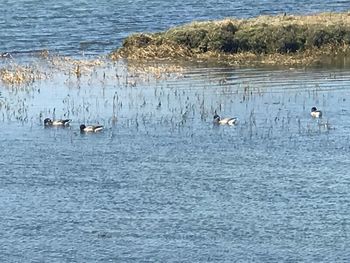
[(20, 75), (155, 51), (76, 67), (156, 71), (325, 19), (307, 58), (282, 39), (16, 74)]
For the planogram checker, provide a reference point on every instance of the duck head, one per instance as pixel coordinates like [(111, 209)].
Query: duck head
[(82, 127), (216, 117), (47, 121), (313, 109)]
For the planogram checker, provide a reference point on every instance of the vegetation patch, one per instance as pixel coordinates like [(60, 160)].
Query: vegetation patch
[(282, 39), (74, 66), (13, 74), (19, 75)]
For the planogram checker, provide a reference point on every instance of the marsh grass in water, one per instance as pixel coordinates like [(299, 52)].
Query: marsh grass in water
[(150, 95), (15, 74), (283, 39)]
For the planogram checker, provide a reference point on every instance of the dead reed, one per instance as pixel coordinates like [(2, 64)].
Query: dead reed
[(283, 39), (18, 75)]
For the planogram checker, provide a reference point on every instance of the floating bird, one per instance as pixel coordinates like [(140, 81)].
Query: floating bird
[(225, 121), (90, 128), (5, 55), (316, 113), (49, 122)]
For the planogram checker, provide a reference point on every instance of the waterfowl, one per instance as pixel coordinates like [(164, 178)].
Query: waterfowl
[(5, 55), (49, 122), (225, 121), (90, 128), (316, 113)]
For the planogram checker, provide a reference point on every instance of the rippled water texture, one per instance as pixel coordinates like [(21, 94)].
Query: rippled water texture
[(94, 27), (162, 183)]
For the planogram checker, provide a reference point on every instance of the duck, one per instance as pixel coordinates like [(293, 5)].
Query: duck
[(49, 122), (5, 55), (315, 113), (90, 128), (224, 121)]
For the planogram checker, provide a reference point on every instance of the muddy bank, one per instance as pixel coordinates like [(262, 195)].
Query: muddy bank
[(276, 40)]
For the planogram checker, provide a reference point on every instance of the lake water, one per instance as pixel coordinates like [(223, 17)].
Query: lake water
[(161, 183), (90, 27)]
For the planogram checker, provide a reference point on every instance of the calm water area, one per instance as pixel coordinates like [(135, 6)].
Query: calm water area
[(161, 183)]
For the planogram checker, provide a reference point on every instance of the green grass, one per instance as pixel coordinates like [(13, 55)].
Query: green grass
[(266, 39)]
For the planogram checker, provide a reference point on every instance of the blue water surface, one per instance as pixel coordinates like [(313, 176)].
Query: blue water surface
[(161, 183), (89, 27)]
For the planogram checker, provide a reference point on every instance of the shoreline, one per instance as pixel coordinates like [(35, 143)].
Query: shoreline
[(285, 40)]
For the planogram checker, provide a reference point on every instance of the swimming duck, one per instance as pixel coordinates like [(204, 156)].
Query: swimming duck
[(316, 113), (49, 122), (225, 121), (90, 128), (5, 55)]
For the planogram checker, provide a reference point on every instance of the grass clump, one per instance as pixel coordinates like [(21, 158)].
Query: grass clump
[(265, 39), (20, 75), (74, 66)]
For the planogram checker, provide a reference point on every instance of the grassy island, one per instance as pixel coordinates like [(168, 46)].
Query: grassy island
[(276, 40)]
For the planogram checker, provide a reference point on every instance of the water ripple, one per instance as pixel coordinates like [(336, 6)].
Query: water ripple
[(61, 27)]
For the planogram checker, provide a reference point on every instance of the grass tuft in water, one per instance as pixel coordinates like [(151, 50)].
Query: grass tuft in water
[(18, 75)]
